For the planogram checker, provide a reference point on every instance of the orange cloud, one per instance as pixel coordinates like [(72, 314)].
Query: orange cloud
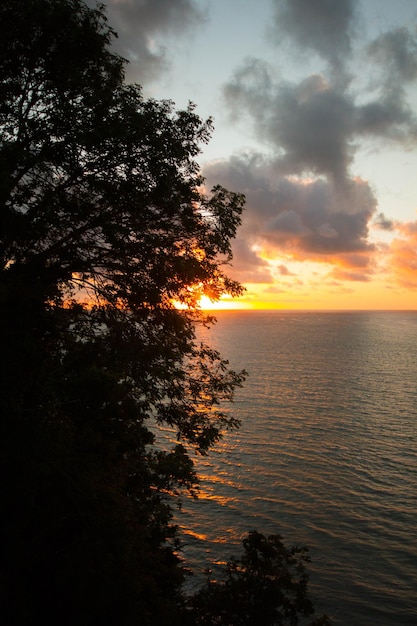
[(303, 219), (403, 255)]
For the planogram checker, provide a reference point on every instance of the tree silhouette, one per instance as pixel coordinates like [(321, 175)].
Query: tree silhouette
[(267, 585), (105, 228)]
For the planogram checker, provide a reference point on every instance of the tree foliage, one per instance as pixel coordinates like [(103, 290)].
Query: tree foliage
[(267, 585), (105, 227)]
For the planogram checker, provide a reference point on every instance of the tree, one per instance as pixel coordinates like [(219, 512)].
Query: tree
[(267, 586), (105, 227), (101, 201)]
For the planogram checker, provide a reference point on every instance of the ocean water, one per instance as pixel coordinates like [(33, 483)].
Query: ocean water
[(326, 456)]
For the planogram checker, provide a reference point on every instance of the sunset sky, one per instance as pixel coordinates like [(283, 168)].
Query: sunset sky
[(315, 112)]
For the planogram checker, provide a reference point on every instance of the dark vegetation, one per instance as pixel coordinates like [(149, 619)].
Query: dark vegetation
[(104, 225)]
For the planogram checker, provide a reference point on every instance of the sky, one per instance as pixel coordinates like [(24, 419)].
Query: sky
[(315, 114)]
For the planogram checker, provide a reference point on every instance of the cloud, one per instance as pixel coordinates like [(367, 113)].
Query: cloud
[(276, 289), (345, 275), (323, 26), (312, 125), (316, 125), (317, 218), (250, 89), (389, 117), (396, 53), (141, 25), (284, 271), (247, 265), (302, 219), (383, 223), (309, 124), (403, 255), (303, 200), (393, 57)]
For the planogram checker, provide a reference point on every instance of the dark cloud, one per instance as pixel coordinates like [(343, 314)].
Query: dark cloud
[(393, 57), (141, 25), (315, 126), (303, 201), (388, 117), (247, 265), (303, 219), (396, 53), (383, 223), (312, 123), (309, 124), (315, 218), (251, 89), (323, 26)]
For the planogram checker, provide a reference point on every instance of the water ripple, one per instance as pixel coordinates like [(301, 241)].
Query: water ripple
[(326, 456)]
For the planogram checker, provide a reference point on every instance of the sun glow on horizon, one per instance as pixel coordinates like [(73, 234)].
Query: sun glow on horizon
[(361, 296), (224, 304)]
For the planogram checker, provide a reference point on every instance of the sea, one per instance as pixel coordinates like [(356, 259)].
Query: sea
[(326, 457)]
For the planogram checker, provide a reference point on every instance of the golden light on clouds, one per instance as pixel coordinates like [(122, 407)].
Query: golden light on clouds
[(324, 156), (389, 284), (403, 257)]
